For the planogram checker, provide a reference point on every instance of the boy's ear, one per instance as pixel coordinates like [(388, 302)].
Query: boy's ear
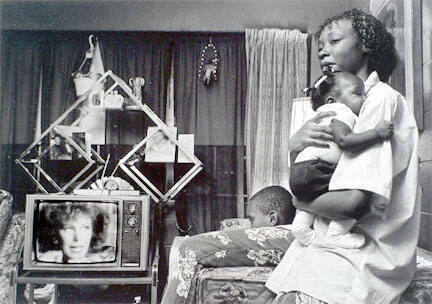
[(273, 218)]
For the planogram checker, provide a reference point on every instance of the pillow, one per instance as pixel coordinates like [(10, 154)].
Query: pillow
[(5, 211)]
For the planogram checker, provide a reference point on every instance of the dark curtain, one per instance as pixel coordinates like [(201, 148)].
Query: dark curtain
[(145, 55), (20, 73), (63, 53), (215, 114)]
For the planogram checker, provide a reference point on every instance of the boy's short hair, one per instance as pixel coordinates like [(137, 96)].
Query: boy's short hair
[(275, 198), (379, 44)]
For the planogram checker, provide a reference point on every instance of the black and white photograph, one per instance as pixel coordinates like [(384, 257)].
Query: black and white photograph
[(216, 151), (60, 149)]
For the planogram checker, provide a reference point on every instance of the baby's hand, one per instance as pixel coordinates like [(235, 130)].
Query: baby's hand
[(384, 129)]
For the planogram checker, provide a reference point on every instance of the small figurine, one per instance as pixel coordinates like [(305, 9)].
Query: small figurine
[(136, 83), (210, 69)]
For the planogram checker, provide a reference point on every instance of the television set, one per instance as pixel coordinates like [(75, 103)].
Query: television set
[(66, 232)]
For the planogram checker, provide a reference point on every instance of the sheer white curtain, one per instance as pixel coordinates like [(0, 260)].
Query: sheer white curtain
[(276, 73)]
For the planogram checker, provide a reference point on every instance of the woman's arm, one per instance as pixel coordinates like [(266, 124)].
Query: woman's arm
[(338, 205), (349, 141), (311, 134), (345, 204)]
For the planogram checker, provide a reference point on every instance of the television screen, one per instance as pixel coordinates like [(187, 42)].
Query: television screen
[(87, 232), (76, 232)]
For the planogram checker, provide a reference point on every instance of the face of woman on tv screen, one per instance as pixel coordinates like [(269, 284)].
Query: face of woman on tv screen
[(76, 235)]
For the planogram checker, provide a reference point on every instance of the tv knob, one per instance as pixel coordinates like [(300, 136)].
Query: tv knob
[(132, 208), (132, 221)]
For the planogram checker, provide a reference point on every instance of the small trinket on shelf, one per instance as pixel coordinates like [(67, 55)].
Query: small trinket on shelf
[(90, 70), (113, 100), (137, 83)]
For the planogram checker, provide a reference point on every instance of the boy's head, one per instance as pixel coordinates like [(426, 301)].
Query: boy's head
[(373, 39), (341, 87), (270, 206)]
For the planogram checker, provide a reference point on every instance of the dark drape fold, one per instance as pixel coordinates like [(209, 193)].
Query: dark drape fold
[(20, 74), (215, 114), (62, 55), (146, 55)]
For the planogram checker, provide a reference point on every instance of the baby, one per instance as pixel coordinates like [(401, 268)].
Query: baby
[(310, 174)]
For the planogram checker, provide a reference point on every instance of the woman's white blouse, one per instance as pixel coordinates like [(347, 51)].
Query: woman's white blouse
[(380, 271)]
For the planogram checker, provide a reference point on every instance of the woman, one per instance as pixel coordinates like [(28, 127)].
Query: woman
[(72, 232), (383, 178)]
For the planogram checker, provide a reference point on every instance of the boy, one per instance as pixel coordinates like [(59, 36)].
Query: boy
[(244, 247)]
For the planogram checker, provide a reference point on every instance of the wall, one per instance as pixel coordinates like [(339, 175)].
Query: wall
[(426, 137), (220, 16)]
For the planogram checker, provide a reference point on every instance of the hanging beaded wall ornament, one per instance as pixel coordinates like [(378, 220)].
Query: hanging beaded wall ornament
[(209, 63)]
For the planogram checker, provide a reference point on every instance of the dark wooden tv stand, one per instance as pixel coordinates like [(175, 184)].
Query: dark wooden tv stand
[(150, 277)]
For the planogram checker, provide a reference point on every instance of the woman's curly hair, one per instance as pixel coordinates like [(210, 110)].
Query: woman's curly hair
[(54, 215), (379, 44)]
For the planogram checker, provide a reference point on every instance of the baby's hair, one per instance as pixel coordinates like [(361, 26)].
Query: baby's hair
[(379, 44), (320, 90), (275, 198)]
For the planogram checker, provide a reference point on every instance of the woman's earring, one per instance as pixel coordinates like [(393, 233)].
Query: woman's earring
[(55, 241)]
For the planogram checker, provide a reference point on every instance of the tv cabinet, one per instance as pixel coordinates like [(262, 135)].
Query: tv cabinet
[(150, 277)]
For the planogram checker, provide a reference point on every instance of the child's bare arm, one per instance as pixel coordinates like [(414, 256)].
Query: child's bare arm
[(349, 141)]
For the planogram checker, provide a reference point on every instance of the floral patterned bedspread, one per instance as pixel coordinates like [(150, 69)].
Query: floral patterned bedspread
[(420, 289), (238, 285), (5, 211), (11, 244)]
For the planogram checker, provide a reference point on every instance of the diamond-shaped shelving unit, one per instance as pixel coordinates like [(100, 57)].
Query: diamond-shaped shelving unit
[(28, 159), (31, 159), (139, 177)]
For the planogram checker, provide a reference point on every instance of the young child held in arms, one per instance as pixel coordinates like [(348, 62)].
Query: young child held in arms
[(342, 93)]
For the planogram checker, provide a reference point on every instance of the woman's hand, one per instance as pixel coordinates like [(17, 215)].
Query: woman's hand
[(312, 134)]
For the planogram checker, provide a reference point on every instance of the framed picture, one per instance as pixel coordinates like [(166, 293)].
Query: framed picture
[(159, 148), (187, 141), (62, 149), (59, 147)]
